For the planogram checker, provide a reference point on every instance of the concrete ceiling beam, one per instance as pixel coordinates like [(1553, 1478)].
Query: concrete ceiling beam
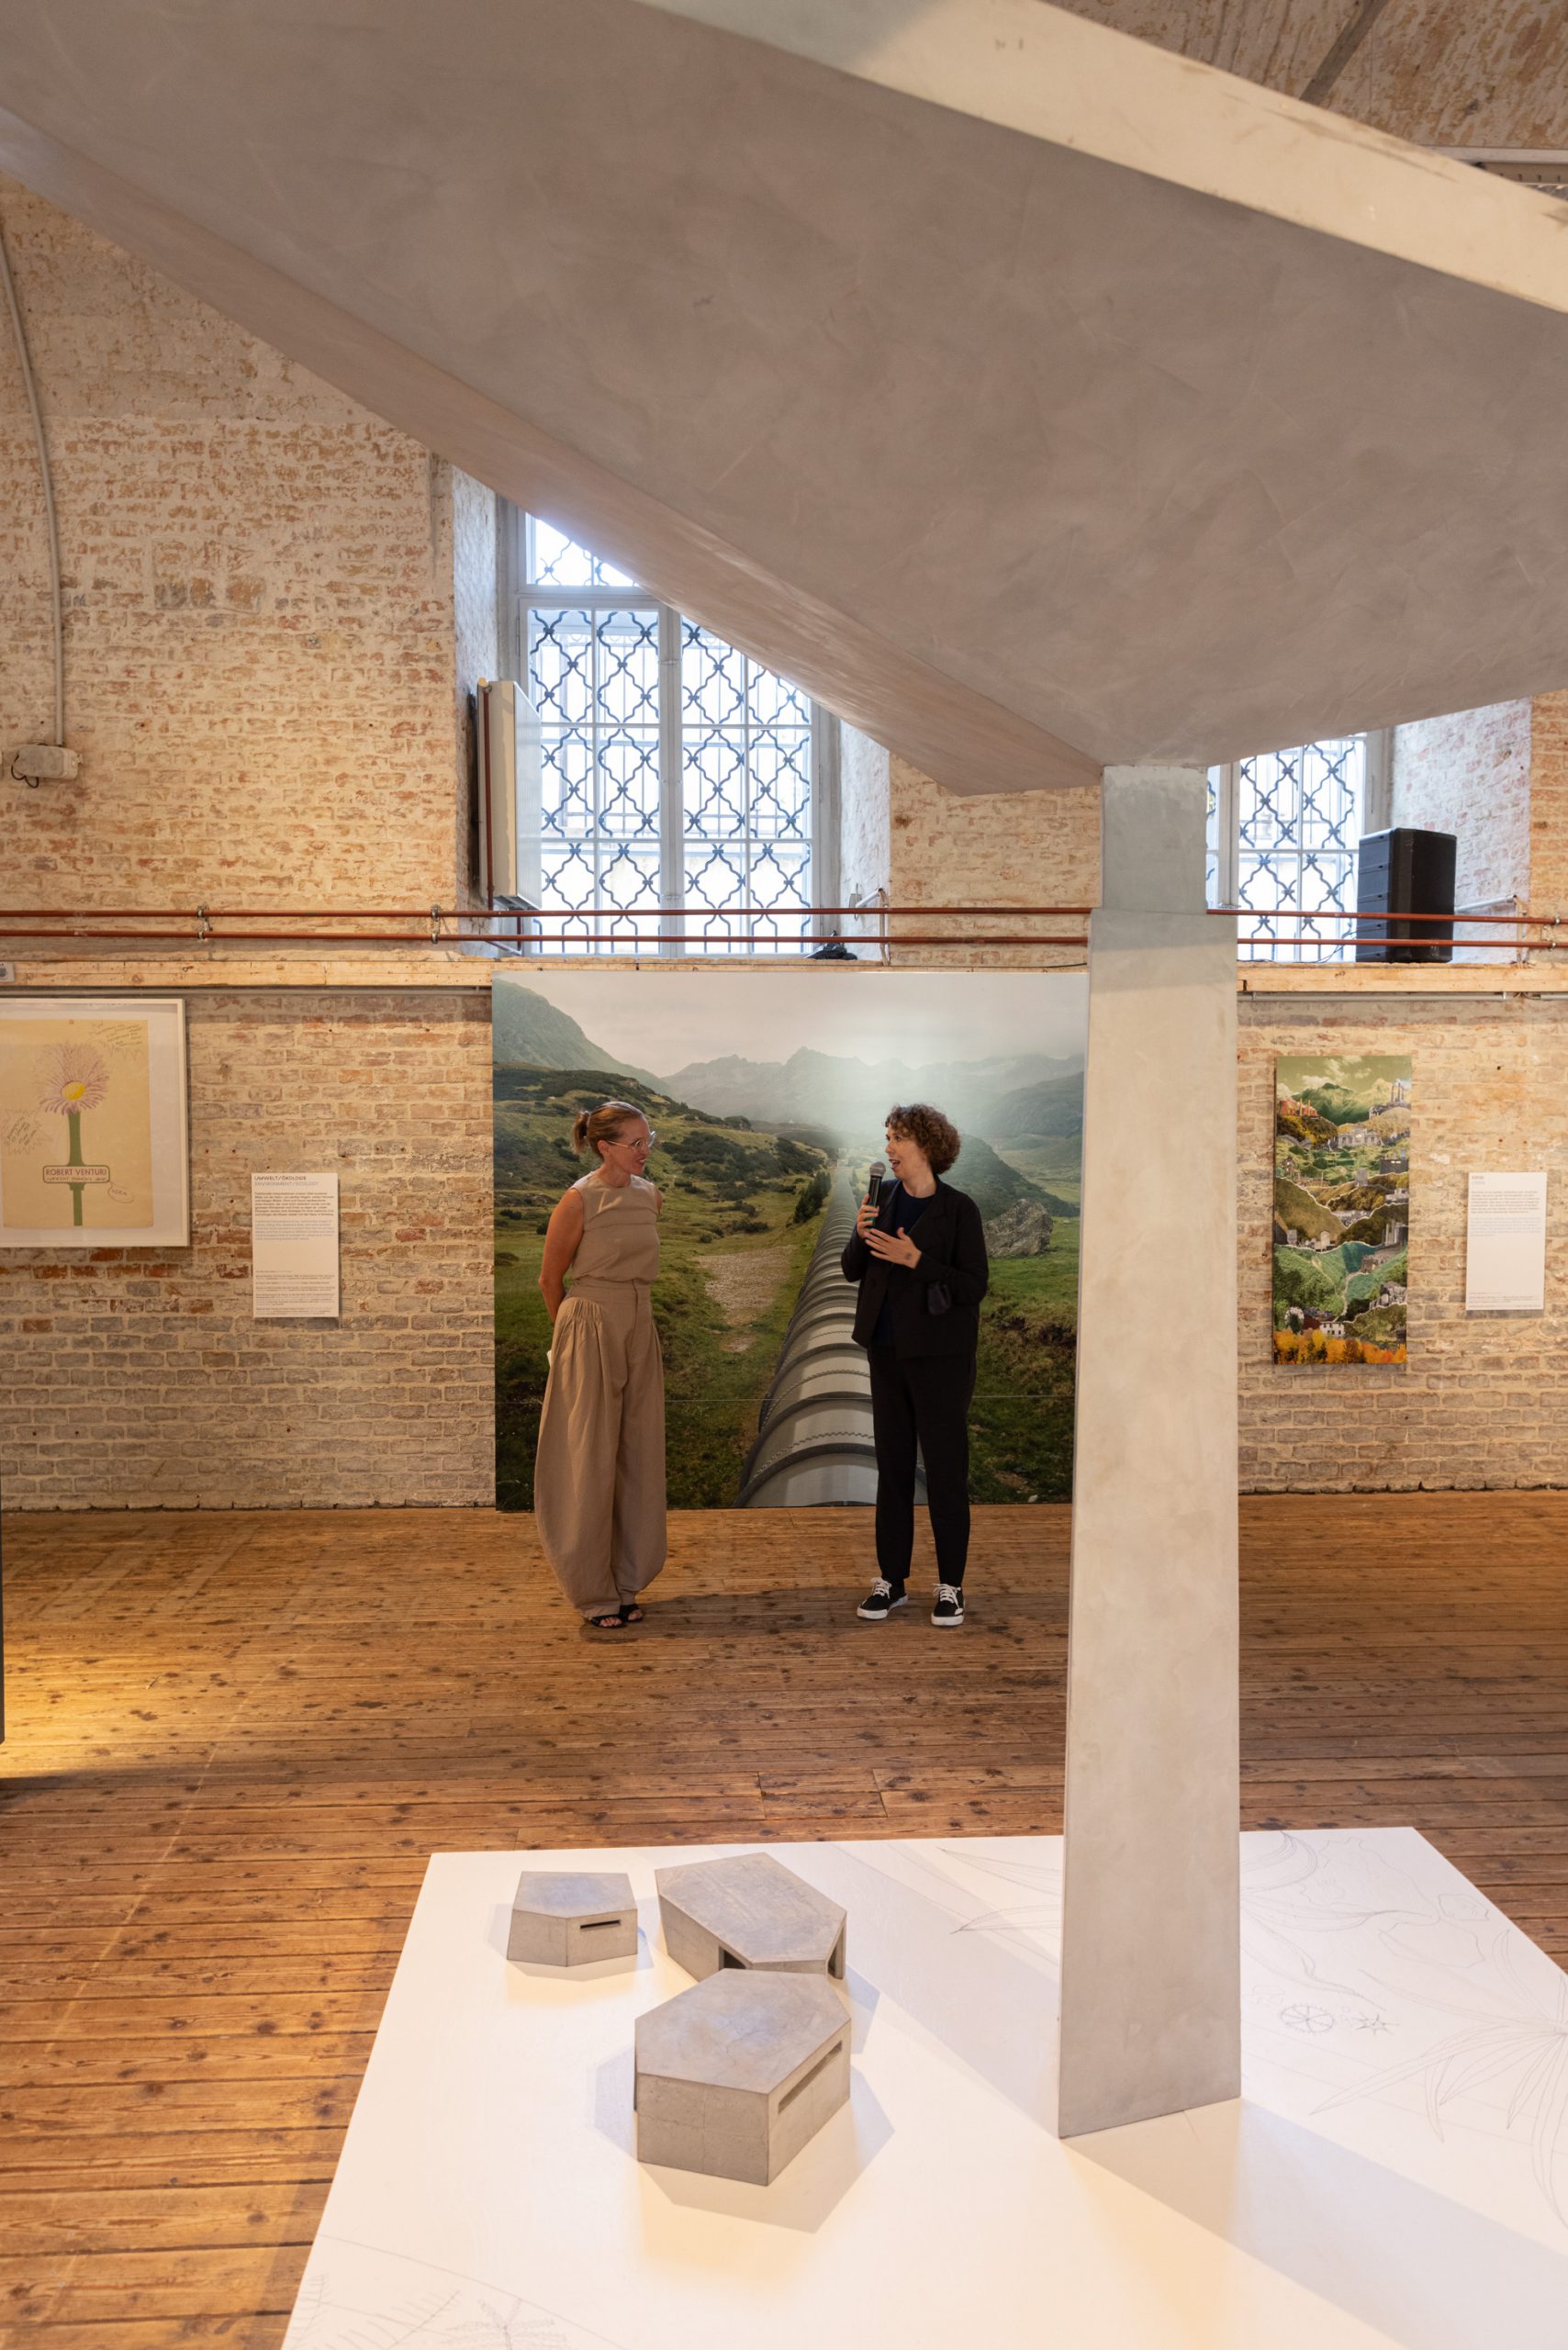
[(1039, 398)]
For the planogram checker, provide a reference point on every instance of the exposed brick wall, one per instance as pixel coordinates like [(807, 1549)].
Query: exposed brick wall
[(136, 1377), (276, 607), (1470, 774), (865, 812), (1479, 1402), (1484, 1398), (259, 609), (1548, 804), (1022, 847), (274, 604)]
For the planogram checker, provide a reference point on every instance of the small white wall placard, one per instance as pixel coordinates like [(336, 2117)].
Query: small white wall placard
[(1505, 1245), (294, 1246)]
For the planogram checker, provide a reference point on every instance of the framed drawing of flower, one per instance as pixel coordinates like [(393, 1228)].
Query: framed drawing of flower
[(93, 1143)]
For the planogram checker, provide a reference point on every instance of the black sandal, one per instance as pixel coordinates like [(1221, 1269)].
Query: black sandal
[(616, 1623), (630, 1613)]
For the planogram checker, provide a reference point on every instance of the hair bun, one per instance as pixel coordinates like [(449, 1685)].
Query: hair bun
[(590, 1127)]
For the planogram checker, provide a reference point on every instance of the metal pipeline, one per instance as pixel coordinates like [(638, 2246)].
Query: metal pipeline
[(813, 1443)]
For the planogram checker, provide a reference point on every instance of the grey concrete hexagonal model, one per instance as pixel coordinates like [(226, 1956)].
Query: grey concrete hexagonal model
[(735, 2075), (749, 1912), (566, 1920)]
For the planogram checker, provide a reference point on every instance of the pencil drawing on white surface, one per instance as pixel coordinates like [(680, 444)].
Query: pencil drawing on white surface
[(1355, 1947), (361, 2297), (1396, 2151)]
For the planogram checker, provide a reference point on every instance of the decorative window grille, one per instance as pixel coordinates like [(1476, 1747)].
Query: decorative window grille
[(675, 772), (1283, 832)]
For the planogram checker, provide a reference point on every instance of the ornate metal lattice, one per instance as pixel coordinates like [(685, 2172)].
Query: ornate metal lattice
[(553, 561), (1298, 820), (746, 757), (675, 771), (594, 679)]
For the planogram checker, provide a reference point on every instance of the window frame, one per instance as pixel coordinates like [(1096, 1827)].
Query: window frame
[(1223, 856), (518, 594)]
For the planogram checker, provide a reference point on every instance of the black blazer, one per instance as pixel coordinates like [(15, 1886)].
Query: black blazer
[(951, 1241)]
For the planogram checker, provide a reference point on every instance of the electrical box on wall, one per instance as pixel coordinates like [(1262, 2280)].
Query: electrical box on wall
[(46, 763), (511, 785)]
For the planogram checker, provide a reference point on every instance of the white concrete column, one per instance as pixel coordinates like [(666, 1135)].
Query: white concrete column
[(1151, 1995)]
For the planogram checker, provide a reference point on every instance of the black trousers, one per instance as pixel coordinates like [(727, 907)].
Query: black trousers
[(924, 1402)]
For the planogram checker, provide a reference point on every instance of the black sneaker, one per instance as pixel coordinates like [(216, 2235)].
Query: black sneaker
[(881, 1601), (949, 1607)]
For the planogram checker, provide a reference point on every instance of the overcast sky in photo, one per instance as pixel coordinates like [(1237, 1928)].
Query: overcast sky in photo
[(664, 1021)]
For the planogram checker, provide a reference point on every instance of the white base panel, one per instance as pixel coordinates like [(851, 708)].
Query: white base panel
[(1396, 2172)]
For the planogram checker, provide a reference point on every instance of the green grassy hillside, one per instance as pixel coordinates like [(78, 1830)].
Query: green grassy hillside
[(733, 1196), (1021, 1420), (742, 1215), (1298, 1211)]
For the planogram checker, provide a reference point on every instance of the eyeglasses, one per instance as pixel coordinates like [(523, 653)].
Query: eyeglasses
[(643, 1146)]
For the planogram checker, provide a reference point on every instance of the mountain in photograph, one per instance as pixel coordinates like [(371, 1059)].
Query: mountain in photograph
[(832, 1089), (530, 1029), (1050, 1111), (760, 1161), (991, 1184)]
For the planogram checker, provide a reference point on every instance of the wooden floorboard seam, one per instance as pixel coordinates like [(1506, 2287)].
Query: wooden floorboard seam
[(236, 1737)]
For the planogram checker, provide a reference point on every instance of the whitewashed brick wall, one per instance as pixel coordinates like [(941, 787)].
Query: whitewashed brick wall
[(275, 607), (136, 1377), (1484, 1398), (863, 815), (259, 609), (1020, 847), (263, 678), (1469, 774)]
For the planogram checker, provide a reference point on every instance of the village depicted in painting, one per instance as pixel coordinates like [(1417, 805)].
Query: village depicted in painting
[(1341, 1208)]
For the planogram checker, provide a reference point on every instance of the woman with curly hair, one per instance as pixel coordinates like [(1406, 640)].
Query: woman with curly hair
[(919, 1255), (598, 1485)]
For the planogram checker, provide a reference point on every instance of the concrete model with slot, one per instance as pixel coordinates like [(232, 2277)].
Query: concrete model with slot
[(569, 1919), (749, 1912), (735, 2075)]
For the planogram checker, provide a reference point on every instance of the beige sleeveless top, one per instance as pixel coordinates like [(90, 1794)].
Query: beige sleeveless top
[(620, 1232)]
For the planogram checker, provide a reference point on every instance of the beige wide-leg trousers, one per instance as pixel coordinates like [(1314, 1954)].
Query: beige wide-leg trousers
[(599, 1486)]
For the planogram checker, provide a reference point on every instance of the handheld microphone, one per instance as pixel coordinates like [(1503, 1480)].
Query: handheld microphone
[(874, 1175)]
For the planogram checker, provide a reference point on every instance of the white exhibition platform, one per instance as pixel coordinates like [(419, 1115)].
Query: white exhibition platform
[(1396, 2172)]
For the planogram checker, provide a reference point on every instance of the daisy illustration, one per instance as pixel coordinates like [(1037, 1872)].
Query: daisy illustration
[(77, 1079)]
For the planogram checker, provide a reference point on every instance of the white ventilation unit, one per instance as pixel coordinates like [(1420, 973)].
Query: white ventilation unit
[(510, 779)]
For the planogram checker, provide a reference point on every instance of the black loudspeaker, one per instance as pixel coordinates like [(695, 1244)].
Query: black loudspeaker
[(1404, 872)]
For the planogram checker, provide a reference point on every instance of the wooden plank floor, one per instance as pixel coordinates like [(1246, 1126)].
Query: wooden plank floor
[(235, 1739)]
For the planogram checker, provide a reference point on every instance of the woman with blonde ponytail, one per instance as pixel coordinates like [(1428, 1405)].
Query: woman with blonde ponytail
[(598, 1485)]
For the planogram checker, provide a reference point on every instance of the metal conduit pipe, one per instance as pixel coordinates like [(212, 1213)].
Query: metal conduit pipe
[(813, 1444)]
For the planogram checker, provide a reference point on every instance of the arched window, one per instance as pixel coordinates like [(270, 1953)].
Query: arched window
[(676, 773)]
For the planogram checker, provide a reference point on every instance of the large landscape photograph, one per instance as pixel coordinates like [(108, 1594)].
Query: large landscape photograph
[(767, 1090), (1341, 1208)]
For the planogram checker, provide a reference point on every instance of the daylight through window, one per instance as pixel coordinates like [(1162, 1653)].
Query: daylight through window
[(1284, 831), (676, 773)]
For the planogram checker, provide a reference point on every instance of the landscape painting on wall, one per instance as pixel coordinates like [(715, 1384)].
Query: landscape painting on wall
[(1341, 1208), (768, 1090)]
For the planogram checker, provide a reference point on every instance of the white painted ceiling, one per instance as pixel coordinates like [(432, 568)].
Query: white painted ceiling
[(1039, 398)]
